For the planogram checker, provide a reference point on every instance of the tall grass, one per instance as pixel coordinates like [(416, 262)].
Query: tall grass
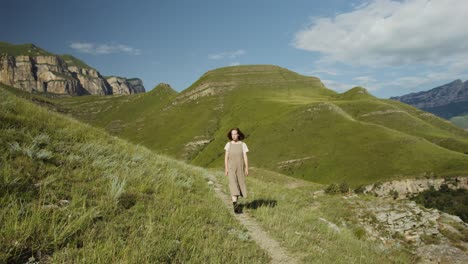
[(72, 193)]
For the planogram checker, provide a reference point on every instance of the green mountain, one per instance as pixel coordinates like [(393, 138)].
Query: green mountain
[(294, 125)]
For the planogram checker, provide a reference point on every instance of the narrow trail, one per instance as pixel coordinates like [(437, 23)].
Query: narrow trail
[(277, 253)]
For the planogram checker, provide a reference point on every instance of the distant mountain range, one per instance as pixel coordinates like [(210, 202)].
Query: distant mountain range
[(30, 68), (449, 101)]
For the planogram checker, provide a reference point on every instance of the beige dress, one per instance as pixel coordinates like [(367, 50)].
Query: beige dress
[(236, 170)]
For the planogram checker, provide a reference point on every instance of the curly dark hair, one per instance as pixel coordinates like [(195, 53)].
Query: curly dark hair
[(241, 135)]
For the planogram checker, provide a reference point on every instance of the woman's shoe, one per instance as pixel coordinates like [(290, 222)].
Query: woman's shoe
[(236, 207)]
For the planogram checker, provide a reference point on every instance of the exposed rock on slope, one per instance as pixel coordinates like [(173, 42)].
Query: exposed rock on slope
[(122, 85)]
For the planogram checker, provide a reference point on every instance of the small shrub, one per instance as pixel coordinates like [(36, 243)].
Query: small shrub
[(444, 188), (359, 232), (344, 187), (332, 189)]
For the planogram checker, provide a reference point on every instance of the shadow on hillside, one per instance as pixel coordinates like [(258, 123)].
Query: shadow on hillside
[(258, 203)]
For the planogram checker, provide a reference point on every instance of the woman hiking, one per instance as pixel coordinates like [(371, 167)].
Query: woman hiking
[(236, 166)]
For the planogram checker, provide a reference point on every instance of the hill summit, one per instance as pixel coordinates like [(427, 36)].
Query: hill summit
[(261, 78), (356, 93)]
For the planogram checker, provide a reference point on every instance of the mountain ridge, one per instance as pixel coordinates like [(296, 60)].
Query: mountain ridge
[(449, 101)]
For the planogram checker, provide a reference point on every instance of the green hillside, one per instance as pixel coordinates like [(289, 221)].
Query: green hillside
[(293, 123), (74, 61), (22, 49), (71, 193)]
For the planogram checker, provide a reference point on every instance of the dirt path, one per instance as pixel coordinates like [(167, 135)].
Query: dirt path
[(277, 253)]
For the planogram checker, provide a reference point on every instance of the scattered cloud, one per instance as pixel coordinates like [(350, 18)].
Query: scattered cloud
[(368, 82), (337, 86), (98, 49), (234, 63), (391, 33), (327, 72), (227, 54)]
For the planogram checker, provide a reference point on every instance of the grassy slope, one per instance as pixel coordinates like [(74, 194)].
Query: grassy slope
[(73, 61), (126, 204), (291, 212), (351, 137)]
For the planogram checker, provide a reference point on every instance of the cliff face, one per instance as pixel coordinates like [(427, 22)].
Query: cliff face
[(52, 74), (122, 85)]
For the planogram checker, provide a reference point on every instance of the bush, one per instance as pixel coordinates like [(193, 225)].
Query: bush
[(332, 189), (344, 187), (447, 200)]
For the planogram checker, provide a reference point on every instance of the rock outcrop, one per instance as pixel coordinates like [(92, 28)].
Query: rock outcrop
[(404, 188), (432, 236), (120, 85), (51, 73)]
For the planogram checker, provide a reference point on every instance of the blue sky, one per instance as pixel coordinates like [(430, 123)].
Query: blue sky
[(389, 47)]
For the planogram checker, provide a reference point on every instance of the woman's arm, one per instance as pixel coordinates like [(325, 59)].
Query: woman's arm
[(246, 163), (226, 156)]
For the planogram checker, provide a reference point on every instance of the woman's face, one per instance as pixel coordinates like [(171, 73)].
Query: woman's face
[(234, 135)]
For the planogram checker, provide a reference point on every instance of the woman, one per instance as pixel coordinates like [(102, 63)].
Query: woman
[(236, 165)]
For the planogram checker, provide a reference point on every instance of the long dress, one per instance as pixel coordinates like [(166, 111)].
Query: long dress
[(236, 170)]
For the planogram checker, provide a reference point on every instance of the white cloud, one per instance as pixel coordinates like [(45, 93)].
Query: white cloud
[(386, 32), (227, 54), (368, 82), (365, 79), (327, 72), (234, 63), (92, 48)]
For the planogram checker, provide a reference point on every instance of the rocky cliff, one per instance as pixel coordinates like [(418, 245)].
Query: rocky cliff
[(46, 72), (122, 85)]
